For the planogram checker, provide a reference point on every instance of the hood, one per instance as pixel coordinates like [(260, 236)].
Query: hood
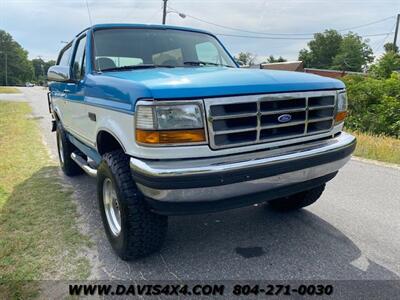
[(202, 82)]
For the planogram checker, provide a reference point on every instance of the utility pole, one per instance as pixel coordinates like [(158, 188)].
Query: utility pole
[(164, 11), (396, 31)]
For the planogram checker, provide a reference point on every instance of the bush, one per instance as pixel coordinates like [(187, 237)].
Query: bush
[(374, 104), (385, 65)]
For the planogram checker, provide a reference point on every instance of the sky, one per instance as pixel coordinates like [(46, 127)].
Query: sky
[(40, 26)]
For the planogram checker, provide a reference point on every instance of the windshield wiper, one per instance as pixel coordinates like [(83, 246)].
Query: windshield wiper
[(137, 67), (204, 63)]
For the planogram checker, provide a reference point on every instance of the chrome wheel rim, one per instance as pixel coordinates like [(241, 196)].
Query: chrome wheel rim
[(60, 149), (111, 207)]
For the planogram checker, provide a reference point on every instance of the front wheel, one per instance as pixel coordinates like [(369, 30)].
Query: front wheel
[(298, 200), (132, 229)]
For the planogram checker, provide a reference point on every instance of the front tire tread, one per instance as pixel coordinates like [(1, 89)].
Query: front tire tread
[(143, 232)]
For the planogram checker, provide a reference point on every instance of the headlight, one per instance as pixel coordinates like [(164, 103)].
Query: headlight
[(179, 117), (341, 107), (164, 123)]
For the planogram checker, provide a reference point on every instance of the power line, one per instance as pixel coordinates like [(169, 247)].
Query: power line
[(288, 38), (382, 42), (153, 14), (367, 24), (88, 11), (263, 37), (278, 34), (377, 34)]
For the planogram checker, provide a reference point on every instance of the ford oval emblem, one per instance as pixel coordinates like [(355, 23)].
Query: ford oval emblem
[(284, 118)]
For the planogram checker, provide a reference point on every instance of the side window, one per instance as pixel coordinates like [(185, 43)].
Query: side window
[(207, 52), (65, 55), (78, 66)]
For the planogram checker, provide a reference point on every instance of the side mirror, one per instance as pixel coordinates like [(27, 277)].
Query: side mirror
[(59, 73)]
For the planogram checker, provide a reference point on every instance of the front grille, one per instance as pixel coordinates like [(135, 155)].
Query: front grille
[(246, 120)]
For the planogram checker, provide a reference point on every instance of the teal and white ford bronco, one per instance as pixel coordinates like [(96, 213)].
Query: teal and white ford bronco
[(168, 123)]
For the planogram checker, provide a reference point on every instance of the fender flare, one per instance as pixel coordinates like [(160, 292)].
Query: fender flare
[(100, 129)]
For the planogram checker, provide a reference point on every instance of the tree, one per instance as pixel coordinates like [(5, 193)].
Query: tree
[(19, 68), (272, 59), (386, 64), (246, 58), (40, 68), (391, 47), (322, 50), (331, 50), (354, 53)]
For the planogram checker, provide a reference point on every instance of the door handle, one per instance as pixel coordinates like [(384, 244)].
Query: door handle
[(92, 116), (66, 91)]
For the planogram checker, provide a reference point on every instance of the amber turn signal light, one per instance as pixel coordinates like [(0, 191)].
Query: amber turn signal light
[(170, 136), (340, 116)]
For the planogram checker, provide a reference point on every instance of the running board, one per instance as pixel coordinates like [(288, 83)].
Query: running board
[(83, 164)]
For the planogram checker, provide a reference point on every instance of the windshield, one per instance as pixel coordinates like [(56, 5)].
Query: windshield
[(130, 48)]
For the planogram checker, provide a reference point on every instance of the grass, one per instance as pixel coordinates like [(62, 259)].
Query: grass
[(382, 148), (9, 90), (39, 238)]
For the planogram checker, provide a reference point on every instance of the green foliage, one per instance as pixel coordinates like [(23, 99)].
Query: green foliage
[(353, 54), (374, 104), (245, 58), (331, 50), (19, 68), (40, 68), (387, 63), (272, 59), (323, 48), (391, 47)]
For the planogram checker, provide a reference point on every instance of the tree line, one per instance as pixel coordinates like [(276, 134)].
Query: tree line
[(15, 66), (334, 51)]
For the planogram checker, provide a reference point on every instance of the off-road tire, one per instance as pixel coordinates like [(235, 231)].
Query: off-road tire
[(298, 200), (69, 167), (142, 231)]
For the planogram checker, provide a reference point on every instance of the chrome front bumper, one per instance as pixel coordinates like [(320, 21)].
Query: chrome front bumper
[(218, 178)]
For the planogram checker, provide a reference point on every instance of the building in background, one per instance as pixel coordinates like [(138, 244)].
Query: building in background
[(284, 66), (298, 66), (332, 73)]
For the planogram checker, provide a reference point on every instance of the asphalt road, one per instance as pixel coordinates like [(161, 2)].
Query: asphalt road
[(352, 232)]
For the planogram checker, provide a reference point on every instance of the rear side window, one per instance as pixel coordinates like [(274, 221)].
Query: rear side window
[(65, 55), (207, 52), (78, 66)]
